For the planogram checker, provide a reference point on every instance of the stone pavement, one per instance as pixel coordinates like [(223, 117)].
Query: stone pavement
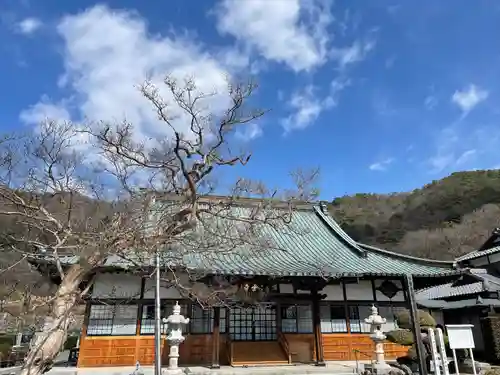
[(339, 368)]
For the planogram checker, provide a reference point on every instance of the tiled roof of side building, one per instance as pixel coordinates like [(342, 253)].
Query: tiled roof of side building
[(317, 246), (482, 282), (478, 253), (489, 247)]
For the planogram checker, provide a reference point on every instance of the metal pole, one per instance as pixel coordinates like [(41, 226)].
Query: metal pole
[(419, 344), (157, 317)]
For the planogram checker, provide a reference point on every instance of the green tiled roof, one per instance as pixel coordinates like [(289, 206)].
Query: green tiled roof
[(316, 246)]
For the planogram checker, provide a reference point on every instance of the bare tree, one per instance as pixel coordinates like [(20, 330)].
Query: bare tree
[(77, 195), (455, 239)]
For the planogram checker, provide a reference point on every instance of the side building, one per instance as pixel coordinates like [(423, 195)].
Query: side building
[(319, 283), (472, 297)]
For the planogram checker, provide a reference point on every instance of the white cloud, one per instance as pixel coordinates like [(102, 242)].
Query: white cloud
[(109, 52), (353, 54), (382, 165), (250, 132), (445, 153), (306, 108), (430, 102), (292, 32), (458, 149), (469, 97), (44, 110), (466, 157), (29, 25)]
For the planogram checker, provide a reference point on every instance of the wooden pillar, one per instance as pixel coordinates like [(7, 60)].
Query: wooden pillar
[(216, 339), (422, 360), (83, 333), (318, 338)]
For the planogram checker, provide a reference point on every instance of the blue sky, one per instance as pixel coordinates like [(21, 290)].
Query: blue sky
[(383, 96)]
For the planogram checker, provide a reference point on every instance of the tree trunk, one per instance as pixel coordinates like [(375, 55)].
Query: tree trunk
[(46, 347)]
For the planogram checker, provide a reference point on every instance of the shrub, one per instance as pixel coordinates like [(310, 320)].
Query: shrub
[(492, 371), (401, 336), (425, 319), (5, 350), (8, 339)]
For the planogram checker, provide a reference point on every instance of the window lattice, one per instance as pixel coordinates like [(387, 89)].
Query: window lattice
[(333, 319), (148, 316), (296, 319), (112, 320), (201, 320), (357, 315)]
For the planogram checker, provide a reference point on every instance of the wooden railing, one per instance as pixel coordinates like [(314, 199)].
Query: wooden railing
[(285, 346), (229, 349)]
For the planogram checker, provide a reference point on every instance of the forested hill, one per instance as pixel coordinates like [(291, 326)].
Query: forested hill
[(442, 220)]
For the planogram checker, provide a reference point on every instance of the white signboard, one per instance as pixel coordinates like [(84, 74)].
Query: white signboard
[(460, 336)]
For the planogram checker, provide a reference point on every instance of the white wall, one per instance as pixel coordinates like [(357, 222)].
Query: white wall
[(115, 285), (286, 288), (333, 292), (165, 291), (361, 290)]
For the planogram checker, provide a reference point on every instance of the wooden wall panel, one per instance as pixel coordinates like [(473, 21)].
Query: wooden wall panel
[(301, 346), (127, 350), (347, 347), (393, 351), (337, 347), (197, 349), (223, 354), (107, 351)]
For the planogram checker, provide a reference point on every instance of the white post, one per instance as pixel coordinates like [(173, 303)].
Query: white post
[(19, 339), (442, 351), (436, 363), (455, 361), (157, 318), (473, 362)]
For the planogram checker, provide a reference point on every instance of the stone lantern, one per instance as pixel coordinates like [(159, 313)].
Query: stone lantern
[(174, 325), (380, 366)]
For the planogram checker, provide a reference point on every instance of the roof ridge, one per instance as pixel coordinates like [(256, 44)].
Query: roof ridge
[(420, 291), (404, 256), (466, 255), (337, 229)]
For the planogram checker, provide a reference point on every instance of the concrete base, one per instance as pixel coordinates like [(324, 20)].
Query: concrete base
[(177, 371), (336, 367)]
